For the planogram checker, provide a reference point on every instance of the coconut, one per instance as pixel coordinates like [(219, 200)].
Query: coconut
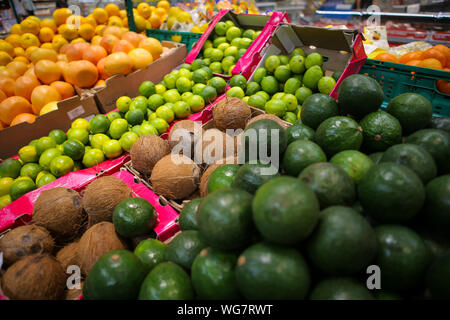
[(35, 277), (282, 123), (68, 255), (24, 241), (214, 146), (205, 177), (60, 211), (231, 113), (185, 133), (102, 196), (98, 240), (146, 151), (74, 294), (175, 177)]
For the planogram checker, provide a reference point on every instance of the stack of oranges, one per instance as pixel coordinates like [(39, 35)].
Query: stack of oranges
[(42, 61)]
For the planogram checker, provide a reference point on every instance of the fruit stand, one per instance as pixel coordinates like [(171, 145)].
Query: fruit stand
[(254, 158)]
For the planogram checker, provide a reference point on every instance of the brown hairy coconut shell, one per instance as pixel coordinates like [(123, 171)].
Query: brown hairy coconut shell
[(214, 146), (282, 123), (231, 113), (102, 196), (189, 128), (175, 177), (68, 255), (98, 240), (146, 152), (74, 294), (36, 277), (60, 211), (24, 241)]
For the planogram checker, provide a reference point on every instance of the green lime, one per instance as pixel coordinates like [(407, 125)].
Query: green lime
[(151, 117), (181, 109), (112, 149), (185, 73), (157, 100), (276, 107), (28, 154), (236, 92), (298, 52), (206, 45), (160, 125), (219, 83), (216, 55), (313, 59), (238, 81), (200, 76), (33, 142), (207, 52), (61, 165), (185, 96), (60, 147), (284, 60), (209, 94), (127, 140), (326, 85), (218, 41), (77, 165), (58, 135), (291, 102), (252, 88), (117, 128), (170, 104), (74, 149), (336, 75), (297, 64), (227, 62), (282, 73), (21, 187), (99, 124), (5, 200), (231, 51), (245, 99), (278, 95), (302, 93), (235, 42), (259, 74), (45, 143), (113, 116), (269, 84), (230, 23), (232, 33), (183, 84), (257, 101), (197, 64), (221, 28), (290, 117), (312, 77), (98, 140), (151, 252), (165, 113), (135, 129), (147, 88), (198, 88), (78, 134), (216, 67), (175, 73), (171, 96), (93, 157), (160, 89), (223, 46), (81, 124), (196, 103), (145, 129), (139, 103), (170, 81), (292, 85), (245, 43), (264, 95), (123, 104), (45, 179), (47, 156), (134, 117), (249, 33), (40, 174), (5, 185), (134, 217), (272, 63)]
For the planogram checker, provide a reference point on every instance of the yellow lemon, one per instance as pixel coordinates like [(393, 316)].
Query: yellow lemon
[(4, 58), (49, 107), (77, 40), (115, 21), (87, 31), (68, 31), (29, 40), (30, 26), (46, 34), (60, 15), (164, 5), (14, 40), (47, 45), (58, 41), (112, 10), (7, 47), (144, 10), (141, 23), (100, 15), (16, 29), (49, 23), (91, 20), (19, 52)]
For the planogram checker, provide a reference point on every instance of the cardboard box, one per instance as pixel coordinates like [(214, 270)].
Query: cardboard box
[(128, 85), (14, 138)]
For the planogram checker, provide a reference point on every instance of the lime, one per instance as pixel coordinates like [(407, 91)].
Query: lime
[(74, 149), (5, 200), (196, 103), (151, 117), (127, 140), (47, 156), (60, 148), (302, 93), (230, 23), (298, 52), (276, 107), (45, 179), (170, 81), (99, 124), (197, 64), (207, 61), (145, 129), (45, 143), (171, 96), (216, 67), (264, 94), (139, 103), (313, 59), (209, 94), (21, 187), (269, 84), (200, 76), (183, 84), (336, 75), (241, 52), (216, 55), (326, 85), (252, 88), (235, 42), (291, 102), (257, 101), (160, 125), (290, 117), (272, 63), (160, 89), (259, 74), (198, 88), (117, 128), (23, 178), (297, 64), (221, 28), (185, 73), (112, 149), (147, 88), (207, 53), (292, 85), (227, 62), (257, 33), (284, 60), (61, 165), (98, 140), (219, 84), (135, 129), (185, 96), (58, 135), (151, 252), (312, 77), (33, 142), (223, 46), (238, 81), (134, 117), (165, 113), (249, 33), (236, 92), (175, 73), (231, 51), (169, 104), (77, 165), (232, 33), (182, 109), (218, 41), (27, 154), (93, 157), (282, 73), (123, 104), (40, 174), (207, 44), (245, 43), (186, 65), (5, 185), (245, 99), (113, 116), (81, 123), (157, 100)]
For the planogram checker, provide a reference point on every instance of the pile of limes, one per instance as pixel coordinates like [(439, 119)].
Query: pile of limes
[(225, 46), (283, 84)]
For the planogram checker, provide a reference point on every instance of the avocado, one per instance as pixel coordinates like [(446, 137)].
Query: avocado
[(285, 210), (353, 162), (340, 288), (380, 131), (188, 215), (317, 108), (299, 131), (183, 249), (438, 278), (385, 295), (151, 252), (376, 157), (222, 177), (300, 154), (437, 204), (251, 176), (266, 271), (441, 123), (213, 276)]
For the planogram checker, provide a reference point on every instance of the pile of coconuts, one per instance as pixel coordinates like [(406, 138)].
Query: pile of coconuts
[(67, 230)]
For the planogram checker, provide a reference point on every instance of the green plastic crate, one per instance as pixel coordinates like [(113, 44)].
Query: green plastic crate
[(395, 79), (188, 38)]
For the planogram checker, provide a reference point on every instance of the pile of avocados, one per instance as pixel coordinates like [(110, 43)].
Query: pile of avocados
[(356, 186)]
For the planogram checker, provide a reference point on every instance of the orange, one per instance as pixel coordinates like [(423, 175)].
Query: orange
[(47, 71), (132, 37), (141, 58), (29, 40), (435, 54), (389, 57), (100, 15), (160, 12), (23, 117), (15, 29), (430, 63), (122, 46), (144, 10), (75, 51), (6, 73), (125, 22), (14, 40), (112, 10), (115, 22), (17, 68), (108, 41), (60, 15), (21, 59), (445, 50), (415, 55), (123, 13), (62, 57), (65, 48), (414, 62), (42, 95), (443, 86), (47, 45), (100, 83), (25, 85), (118, 62), (65, 89), (19, 52), (91, 20), (2, 96), (87, 31), (30, 26), (30, 71), (81, 73), (58, 41), (49, 23), (164, 4), (68, 31), (4, 58), (62, 65), (94, 53), (13, 106), (96, 40), (6, 47), (7, 86), (140, 22), (46, 34), (101, 69), (43, 54), (115, 31), (99, 29), (77, 40), (153, 46)]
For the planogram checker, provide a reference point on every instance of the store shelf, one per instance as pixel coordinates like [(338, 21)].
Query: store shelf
[(440, 17)]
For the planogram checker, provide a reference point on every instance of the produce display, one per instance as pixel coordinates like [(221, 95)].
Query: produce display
[(282, 86)]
